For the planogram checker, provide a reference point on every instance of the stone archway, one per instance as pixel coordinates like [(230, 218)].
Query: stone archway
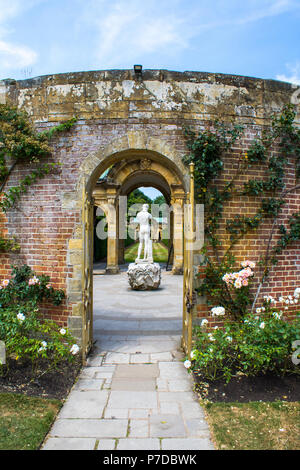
[(131, 146), (122, 178)]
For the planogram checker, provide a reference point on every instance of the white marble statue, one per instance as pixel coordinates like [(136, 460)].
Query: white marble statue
[(143, 218)]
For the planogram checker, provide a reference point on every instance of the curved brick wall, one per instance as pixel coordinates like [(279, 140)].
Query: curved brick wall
[(117, 113)]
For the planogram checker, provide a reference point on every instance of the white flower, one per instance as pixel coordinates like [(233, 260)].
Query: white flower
[(297, 292), (287, 301), (43, 347), (74, 349), (187, 364), (193, 354), (277, 315), (218, 311), (263, 309), (211, 350), (62, 331), (229, 339), (21, 317), (211, 338), (269, 298), (204, 322), (216, 327), (258, 310), (281, 299), (262, 325)]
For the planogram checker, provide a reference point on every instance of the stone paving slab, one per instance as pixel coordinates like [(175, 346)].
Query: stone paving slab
[(135, 392), (127, 399), (70, 443), (98, 428), (138, 444), (107, 444), (138, 370), (167, 426), (84, 404), (138, 384)]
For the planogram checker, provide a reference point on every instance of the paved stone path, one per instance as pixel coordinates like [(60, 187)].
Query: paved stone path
[(135, 392)]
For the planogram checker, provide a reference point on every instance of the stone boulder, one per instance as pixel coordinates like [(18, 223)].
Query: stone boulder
[(144, 276)]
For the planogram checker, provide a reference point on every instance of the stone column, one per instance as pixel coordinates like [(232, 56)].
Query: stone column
[(106, 198), (112, 236), (177, 207)]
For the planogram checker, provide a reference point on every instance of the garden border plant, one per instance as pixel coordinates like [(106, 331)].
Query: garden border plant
[(275, 148), (28, 336), (26, 333), (252, 340), (22, 144)]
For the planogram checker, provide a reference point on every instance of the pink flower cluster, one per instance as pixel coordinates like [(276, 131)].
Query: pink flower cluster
[(34, 280), (4, 283), (240, 278)]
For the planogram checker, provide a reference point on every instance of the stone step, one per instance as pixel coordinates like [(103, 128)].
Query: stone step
[(102, 333), (142, 325), (124, 318)]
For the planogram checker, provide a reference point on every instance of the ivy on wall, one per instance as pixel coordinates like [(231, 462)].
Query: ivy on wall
[(274, 150), (21, 143)]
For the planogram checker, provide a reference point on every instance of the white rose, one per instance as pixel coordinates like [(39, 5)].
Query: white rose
[(74, 349), (297, 292), (187, 364), (62, 331), (193, 354), (262, 325), (21, 317)]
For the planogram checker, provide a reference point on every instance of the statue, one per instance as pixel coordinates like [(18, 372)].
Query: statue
[(144, 274), (143, 219)]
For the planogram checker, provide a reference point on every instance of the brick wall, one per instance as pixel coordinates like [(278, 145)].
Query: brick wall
[(109, 106)]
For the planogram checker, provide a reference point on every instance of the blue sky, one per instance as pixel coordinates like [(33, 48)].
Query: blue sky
[(258, 38)]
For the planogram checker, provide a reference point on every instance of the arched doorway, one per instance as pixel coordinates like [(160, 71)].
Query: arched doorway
[(111, 192), (132, 149)]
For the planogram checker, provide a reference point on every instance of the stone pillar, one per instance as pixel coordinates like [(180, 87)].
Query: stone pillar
[(112, 235), (106, 198), (177, 207)]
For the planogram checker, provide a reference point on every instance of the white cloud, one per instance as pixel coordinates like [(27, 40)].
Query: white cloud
[(132, 29), (127, 30), (294, 73), (14, 56)]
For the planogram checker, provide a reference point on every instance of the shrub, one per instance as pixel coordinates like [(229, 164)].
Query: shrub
[(27, 335), (257, 345), (25, 287)]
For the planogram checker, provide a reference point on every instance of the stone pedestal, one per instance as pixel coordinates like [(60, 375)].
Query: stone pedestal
[(144, 276)]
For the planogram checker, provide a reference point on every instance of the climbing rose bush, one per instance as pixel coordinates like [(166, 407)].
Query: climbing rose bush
[(28, 336), (241, 278)]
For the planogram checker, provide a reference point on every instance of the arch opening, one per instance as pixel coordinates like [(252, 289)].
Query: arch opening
[(117, 179)]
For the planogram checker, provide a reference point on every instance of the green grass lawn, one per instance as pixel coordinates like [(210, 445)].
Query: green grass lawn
[(255, 425), (25, 421), (160, 253)]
